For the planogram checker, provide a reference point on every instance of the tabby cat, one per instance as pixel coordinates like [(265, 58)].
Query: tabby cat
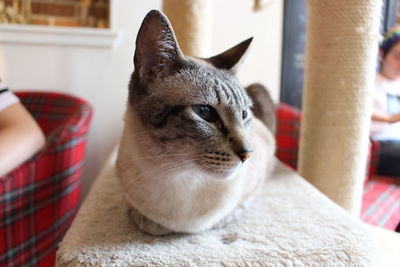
[(192, 154)]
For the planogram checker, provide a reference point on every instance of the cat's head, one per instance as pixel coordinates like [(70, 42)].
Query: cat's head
[(190, 106)]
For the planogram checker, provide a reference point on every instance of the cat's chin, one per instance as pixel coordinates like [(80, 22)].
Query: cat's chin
[(226, 175)]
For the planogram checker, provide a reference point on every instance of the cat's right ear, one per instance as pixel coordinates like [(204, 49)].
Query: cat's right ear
[(157, 51)]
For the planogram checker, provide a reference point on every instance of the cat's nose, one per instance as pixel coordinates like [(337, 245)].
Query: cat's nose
[(240, 143), (244, 154)]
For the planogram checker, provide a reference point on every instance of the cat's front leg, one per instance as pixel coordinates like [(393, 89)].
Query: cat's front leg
[(147, 226)]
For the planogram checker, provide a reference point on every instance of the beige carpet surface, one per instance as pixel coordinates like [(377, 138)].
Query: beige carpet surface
[(289, 224)]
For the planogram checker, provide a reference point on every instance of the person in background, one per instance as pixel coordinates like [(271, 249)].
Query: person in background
[(385, 126), (20, 135)]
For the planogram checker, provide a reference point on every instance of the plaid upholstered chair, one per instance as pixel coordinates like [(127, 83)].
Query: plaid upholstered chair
[(381, 198), (38, 200)]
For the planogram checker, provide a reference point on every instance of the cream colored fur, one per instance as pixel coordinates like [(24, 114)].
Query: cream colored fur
[(187, 199)]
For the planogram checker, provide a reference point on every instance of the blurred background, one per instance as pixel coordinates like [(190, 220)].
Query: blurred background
[(85, 48)]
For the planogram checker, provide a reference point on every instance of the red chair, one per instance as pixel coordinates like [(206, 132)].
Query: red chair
[(39, 199), (381, 198)]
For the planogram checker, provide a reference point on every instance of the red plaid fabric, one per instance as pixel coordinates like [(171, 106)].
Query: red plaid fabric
[(288, 134), (381, 200), (38, 200)]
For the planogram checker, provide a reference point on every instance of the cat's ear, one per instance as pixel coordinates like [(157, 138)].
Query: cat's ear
[(230, 58), (157, 51)]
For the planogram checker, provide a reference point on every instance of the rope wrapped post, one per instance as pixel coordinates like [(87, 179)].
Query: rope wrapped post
[(192, 23), (340, 69)]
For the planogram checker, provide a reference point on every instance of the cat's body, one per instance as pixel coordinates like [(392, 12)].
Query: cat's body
[(191, 154)]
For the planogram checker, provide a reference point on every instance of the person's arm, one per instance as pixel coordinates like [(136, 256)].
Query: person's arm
[(20, 137), (389, 118)]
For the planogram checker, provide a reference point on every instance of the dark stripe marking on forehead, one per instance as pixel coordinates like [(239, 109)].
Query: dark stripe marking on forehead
[(217, 95), (244, 97), (222, 89), (232, 97), (165, 114)]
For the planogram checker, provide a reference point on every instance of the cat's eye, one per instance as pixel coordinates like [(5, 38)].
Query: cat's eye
[(206, 112), (244, 114)]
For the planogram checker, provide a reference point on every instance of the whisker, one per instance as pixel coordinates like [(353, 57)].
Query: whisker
[(166, 155), (164, 166), (135, 159)]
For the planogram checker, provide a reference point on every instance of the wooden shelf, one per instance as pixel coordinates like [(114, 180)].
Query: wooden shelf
[(63, 36)]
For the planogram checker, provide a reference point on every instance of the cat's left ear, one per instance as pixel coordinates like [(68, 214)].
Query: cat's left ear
[(229, 60)]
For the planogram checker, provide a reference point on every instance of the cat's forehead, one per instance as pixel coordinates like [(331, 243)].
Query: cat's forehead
[(202, 84)]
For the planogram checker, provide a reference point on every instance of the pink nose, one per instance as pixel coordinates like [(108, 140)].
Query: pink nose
[(244, 155)]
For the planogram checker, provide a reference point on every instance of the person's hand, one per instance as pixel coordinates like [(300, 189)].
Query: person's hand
[(394, 118)]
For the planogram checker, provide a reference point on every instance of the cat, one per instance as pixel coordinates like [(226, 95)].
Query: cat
[(191, 155)]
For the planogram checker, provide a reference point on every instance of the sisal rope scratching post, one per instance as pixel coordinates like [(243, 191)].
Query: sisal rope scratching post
[(192, 22), (339, 72)]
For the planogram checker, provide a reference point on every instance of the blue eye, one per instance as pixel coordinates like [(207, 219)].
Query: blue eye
[(206, 112), (244, 114)]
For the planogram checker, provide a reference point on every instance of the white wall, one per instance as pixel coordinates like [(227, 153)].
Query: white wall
[(235, 21), (101, 75)]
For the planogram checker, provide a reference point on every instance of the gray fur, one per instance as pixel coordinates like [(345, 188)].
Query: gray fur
[(161, 106), (264, 107)]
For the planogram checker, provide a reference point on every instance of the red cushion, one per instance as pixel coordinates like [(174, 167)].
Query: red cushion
[(381, 202), (288, 134)]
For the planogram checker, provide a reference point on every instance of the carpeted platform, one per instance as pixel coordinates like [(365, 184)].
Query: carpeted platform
[(290, 224)]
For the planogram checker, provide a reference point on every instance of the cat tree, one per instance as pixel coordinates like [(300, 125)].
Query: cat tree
[(291, 223)]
